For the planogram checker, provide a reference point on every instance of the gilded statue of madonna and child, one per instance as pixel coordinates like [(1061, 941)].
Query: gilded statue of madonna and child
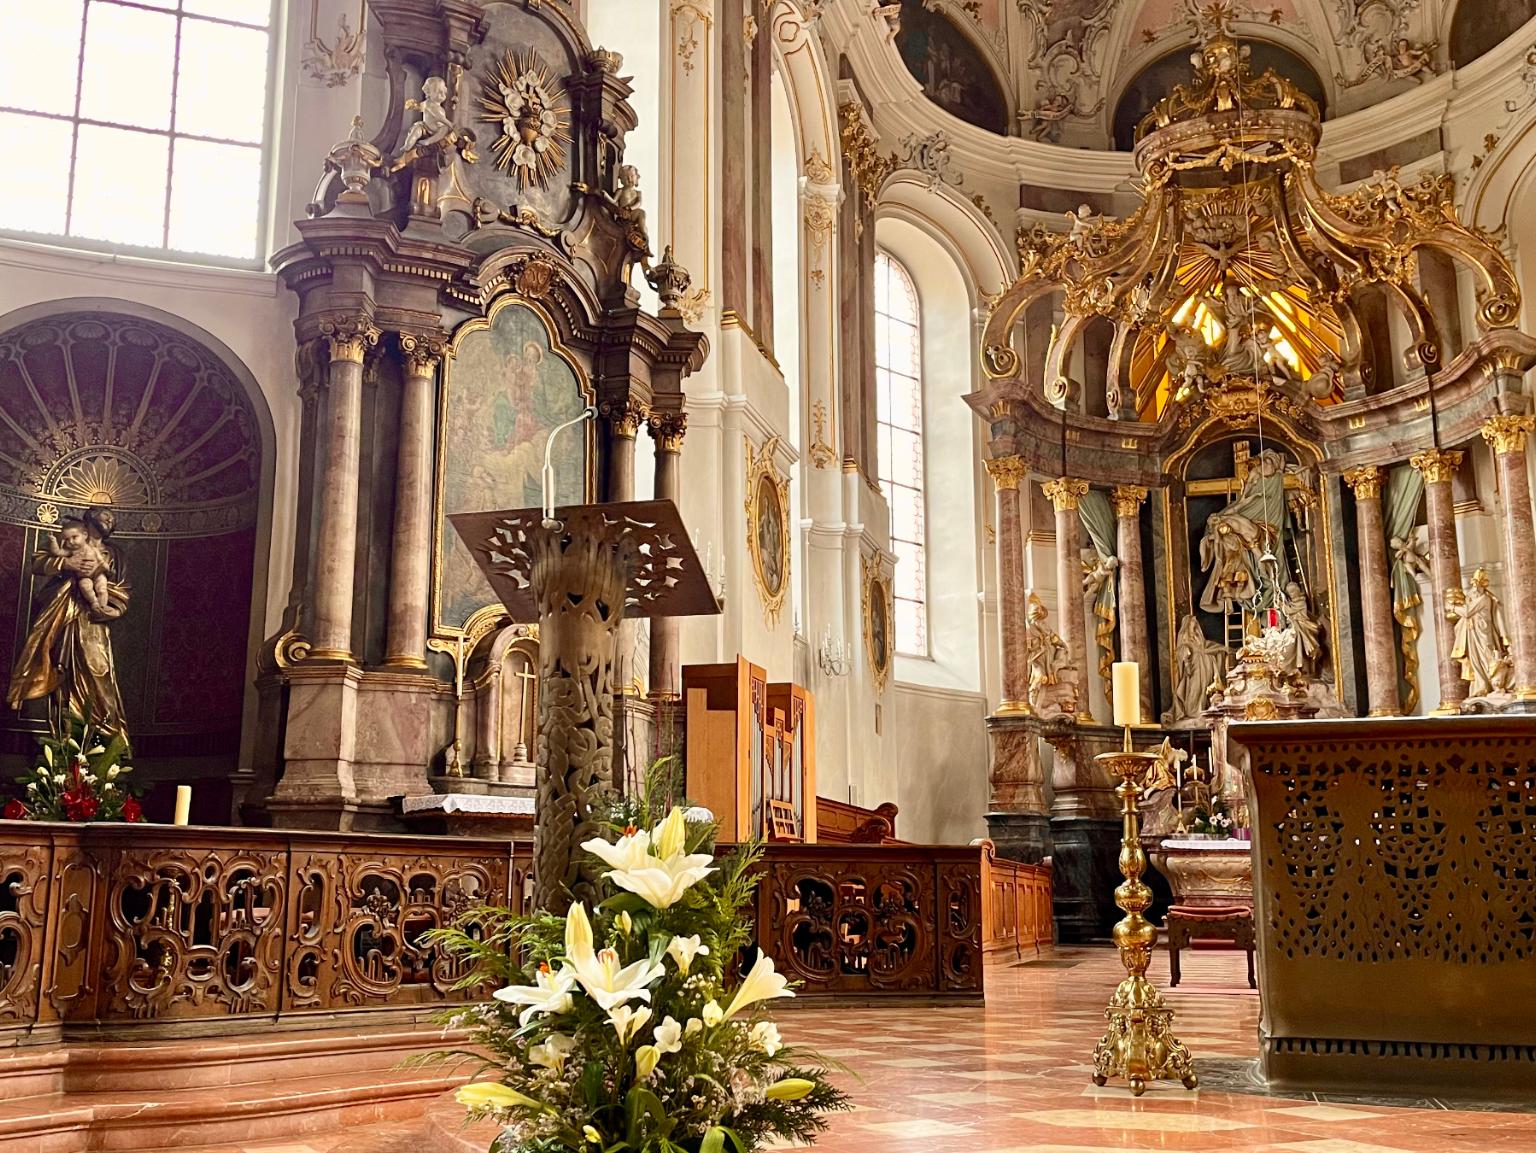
[(67, 656)]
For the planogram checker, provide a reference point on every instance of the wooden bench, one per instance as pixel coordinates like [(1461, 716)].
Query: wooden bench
[(1189, 923)]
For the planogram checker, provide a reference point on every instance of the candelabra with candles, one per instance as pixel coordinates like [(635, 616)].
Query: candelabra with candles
[(832, 655), (1139, 1044)]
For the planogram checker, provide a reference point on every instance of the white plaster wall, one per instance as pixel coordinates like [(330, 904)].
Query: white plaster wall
[(940, 741)]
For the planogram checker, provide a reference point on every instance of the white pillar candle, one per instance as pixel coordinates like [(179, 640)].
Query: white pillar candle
[(183, 804), (1126, 679)]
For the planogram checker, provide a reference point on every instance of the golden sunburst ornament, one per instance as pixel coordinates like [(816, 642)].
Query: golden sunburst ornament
[(528, 102), (105, 480)]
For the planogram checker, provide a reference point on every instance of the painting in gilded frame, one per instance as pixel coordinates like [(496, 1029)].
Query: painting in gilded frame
[(506, 387)]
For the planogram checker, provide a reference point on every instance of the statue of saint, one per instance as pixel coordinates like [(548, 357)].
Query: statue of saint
[(1047, 652), (1237, 537), (1305, 627), (1199, 663), (1481, 643), (67, 656)]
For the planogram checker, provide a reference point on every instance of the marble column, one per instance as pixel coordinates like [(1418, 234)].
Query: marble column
[(1375, 593), (486, 763), (1064, 494), (667, 430), (1006, 473), (1135, 636), (1438, 467), (336, 543), (1507, 434), (410, 557), (624, 419)]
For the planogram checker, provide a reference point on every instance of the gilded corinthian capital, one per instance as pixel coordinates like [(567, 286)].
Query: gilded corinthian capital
[(1065, 492), (422, 353), (1437, 465), (668, 429), (1006, 472), (1365, 481), (1507, 433), (1127, 499)]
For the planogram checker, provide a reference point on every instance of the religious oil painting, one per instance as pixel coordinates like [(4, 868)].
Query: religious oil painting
[(505, 388), (951, 68)]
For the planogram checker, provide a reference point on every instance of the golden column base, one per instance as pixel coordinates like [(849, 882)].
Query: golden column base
[(1139, 1044)]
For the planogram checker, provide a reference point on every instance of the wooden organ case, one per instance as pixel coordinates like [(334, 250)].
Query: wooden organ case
[(751, 752)]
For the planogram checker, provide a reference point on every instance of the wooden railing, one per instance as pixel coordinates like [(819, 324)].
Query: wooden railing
[(150, 928), (117, 925), (1016, 904), (876, 921)]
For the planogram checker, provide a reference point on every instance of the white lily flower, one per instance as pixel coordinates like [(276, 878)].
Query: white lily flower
[(663, 880), (599, 973), (765, 1036), (645, 1061), (626, 922), (628, 852), (553, 1051), (693, 1028), (670, 837), (712, 1014), (760, 984), (48, 755), (626, 1021), (112, 773), (550, 993), (669, 1036), (683, 950)]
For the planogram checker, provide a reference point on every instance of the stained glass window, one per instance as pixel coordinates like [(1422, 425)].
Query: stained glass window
[(899, 395), (142, 122)]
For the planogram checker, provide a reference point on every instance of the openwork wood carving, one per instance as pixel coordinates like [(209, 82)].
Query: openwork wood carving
[(23, 901), (874, 919)]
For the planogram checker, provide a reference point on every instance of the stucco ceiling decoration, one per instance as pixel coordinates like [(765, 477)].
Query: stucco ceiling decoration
[(1238, 275)]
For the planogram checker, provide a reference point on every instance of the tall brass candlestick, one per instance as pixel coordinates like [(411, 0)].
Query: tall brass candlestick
[(1139, 1044)]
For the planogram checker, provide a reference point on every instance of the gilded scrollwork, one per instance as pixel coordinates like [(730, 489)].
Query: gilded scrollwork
[(767, 508)]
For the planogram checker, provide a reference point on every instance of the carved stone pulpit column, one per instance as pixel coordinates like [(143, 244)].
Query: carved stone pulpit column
[(1507, 434), (410, 557), (1135, 641), (336, 543), (580, 578), (1375, 593), (1065, 493), (1006, 473), (1438, 468)]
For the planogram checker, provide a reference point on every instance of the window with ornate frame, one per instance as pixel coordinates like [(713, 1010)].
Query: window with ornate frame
[(143, 123), (899, 397)]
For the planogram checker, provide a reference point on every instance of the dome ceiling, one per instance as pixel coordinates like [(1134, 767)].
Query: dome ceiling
[(1078, 72)]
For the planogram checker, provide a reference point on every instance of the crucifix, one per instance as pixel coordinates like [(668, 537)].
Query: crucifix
[(525, 714)]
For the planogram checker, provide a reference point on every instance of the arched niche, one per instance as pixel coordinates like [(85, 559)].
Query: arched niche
[(1157, 80), (952, 69), (161, 424), (1482, 25)]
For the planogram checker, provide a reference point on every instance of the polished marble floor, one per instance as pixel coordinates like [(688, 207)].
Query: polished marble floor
[(1013, 1078)]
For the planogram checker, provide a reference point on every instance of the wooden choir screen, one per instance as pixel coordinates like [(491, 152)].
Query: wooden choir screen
[(751, 752), (1015, 902), (119, 925), (874, 920)]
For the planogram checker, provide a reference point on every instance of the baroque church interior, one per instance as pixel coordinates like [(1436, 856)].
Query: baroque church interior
[(1051, 476)]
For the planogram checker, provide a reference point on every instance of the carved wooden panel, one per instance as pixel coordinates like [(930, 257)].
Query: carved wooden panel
[(874, 919), (193, 931), (24, 883), (358, 918)]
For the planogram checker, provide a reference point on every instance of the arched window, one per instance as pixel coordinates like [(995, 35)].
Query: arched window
[(142, 123), (899, 395)]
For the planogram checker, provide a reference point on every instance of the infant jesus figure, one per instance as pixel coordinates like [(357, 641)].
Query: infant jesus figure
[(81, 543)]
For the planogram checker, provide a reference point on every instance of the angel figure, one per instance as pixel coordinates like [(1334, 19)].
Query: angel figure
[(1046, 652), (1298, 617), (626, 209), (1082, 224), (434, 125), (1045, 118)]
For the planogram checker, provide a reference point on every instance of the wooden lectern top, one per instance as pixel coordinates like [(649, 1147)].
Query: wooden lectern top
[(664, 577)]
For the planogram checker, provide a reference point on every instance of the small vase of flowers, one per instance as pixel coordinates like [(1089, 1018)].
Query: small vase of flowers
[(81, 775), (625, 1027), (1214, 820)]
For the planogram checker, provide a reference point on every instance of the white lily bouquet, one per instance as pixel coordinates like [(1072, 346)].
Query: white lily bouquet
[(615, 1029)]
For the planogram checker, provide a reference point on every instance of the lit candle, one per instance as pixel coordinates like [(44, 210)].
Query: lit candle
[(183, 804), (1126, 679)]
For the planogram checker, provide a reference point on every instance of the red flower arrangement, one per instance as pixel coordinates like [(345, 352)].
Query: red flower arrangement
[(79, 777)]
